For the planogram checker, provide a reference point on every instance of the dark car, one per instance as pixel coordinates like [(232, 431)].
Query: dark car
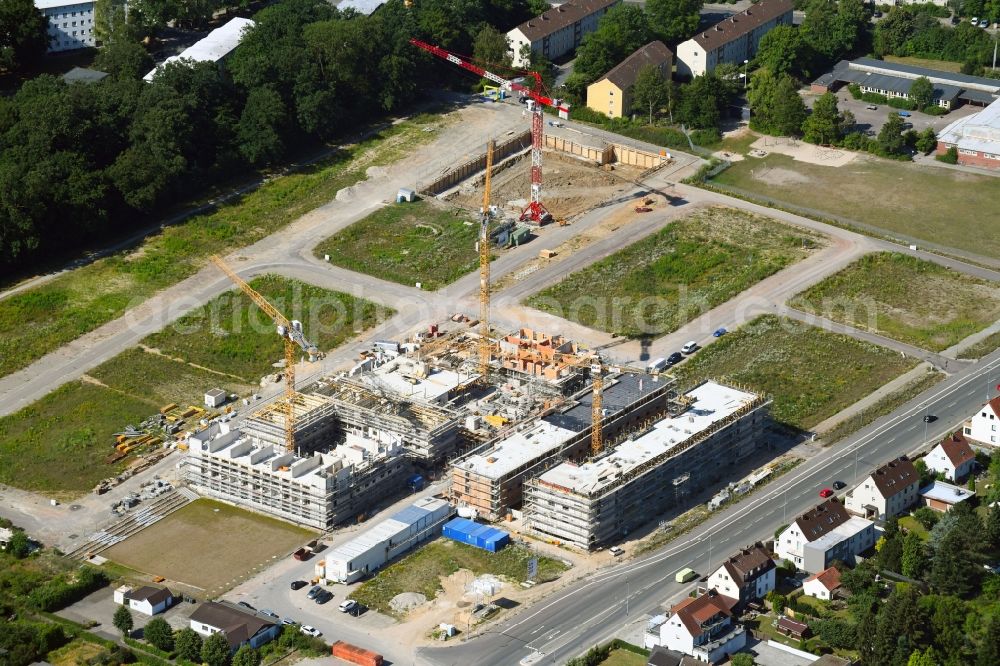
[(323, 597), (245, 605), (929, 418), (298, 584), (838, 485), (719, 332), (316, 589), (675, 358)]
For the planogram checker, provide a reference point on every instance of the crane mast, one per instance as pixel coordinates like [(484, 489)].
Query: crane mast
[(535, 210), (292, 335), (484, 270)]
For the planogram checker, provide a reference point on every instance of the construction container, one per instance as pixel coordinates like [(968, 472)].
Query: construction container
[(355, 655), (472, 533), (415, 483)]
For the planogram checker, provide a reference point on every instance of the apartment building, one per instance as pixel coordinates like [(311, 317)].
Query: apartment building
[(824, 534), (71, 24), (557, 31), (612, 94), (888, 491), (747, 575), (732, 40)]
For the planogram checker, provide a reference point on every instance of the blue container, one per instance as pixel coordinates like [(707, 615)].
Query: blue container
[(415, 482), (472, 533)]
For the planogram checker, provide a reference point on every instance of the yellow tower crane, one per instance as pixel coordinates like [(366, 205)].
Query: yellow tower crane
[(291, 333), (485, 347)]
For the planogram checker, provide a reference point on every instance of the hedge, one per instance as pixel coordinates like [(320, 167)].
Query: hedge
[(855, 90), (934, 110), (57, 593), (902, 103), (874, 98)]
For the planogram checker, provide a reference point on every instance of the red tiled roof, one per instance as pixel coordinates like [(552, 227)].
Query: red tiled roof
[(995, 405), (828, 578), (957, 448), (695, 612), (827, 516), (748, 564), (894, 477)]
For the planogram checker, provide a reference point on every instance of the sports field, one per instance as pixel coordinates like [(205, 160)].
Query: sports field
[(208, 545)]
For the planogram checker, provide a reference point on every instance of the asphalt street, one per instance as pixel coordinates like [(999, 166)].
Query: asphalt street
[(593, 611)]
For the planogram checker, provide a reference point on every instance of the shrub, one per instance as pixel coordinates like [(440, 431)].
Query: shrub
[(950, 156), (159, 634), (874, 98), (58, 593), (857, 141), (855, 90), (835, 633), (934, 110), (593, 657), (706, 137), (902, 103), (927, 517)]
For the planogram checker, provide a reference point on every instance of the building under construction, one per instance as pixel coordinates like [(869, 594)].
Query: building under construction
[(318, 490), (490, 478), (529, 353), (314, 418), (593, 503)]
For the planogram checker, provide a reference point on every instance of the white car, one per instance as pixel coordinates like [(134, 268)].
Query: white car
[(689, 348), (348, 605), (310, 631)]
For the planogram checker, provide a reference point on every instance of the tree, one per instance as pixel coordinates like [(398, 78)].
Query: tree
[(124, 59), (823, 126), (215, 650), (19, 545), (927, 517), (952, 571), (947, 615), (24, 35), (702, 102), (913, 561), (262, 126), (673, 20), (925, 658), (899, 629), (890, 137), (246, 656), (619, 34), (782, 51), (123, 620), (650, 90), (988, 653), (892, 31), (742, 659), (491, 47), (188, 644), (926, 142), (775, 104), (159, 634), (922, 92)]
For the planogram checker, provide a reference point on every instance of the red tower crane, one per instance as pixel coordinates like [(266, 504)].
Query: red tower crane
[(535, 211)]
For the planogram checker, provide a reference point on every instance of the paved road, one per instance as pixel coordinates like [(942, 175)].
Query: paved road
[(594, 610)]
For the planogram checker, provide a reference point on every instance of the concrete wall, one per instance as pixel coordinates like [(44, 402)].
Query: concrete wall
[(505, 149)]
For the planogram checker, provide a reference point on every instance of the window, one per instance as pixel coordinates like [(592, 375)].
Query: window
[(966, 151)]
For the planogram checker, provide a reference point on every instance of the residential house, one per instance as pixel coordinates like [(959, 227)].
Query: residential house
[(942, 496), (733, 39), (147, 600), (661, 656), (747, 575), (887, 492), (240, 626), (612, 94), (982, 428), (953, 457), (823, 584), (71, 23), (703, 627), (557, 31), (824, 534)]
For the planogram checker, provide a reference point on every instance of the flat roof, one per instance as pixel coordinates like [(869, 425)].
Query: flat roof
[(615, 397), (217, 45), (979, 131), (397, 523), (846, 71), (366, 7), (711, 403), (915, 72), (52, 4), (946, 492), (397, 376), (520, 448), (841, 532)]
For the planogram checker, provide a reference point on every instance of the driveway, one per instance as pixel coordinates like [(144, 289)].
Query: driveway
[(100, 607), (872, 121)]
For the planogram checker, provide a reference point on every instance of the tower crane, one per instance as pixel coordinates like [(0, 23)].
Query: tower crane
[(535, 211), (485, 348), (291, 333)]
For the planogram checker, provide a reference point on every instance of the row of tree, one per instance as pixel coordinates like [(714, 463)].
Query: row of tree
[(913, 31), (78, 162)]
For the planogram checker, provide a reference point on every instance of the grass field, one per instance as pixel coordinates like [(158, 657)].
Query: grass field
[(886, 405), (906, 299), (812, 374), (899, 197), (408, 243), (77, 651), (40, 320), (422, 570), (911, 524), (621, 657), (60, 442), (232, 335), (208, 545), (657, 285), (987, 345), (943, 65)]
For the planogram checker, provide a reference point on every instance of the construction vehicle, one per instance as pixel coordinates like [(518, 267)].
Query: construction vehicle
[(292, 335), (536, 99)]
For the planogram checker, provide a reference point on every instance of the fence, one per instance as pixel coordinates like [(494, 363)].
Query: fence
[(453, 177)]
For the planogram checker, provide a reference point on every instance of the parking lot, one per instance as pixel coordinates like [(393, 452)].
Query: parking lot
[(872, 121)]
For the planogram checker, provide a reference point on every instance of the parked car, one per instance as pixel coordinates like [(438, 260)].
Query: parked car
[(689, 347), (617, 551), (838, 485), (270, 613), (310, 631), (245, 605), (323, 597), (826, 492), (904, 114), (316, 589), (298, 584), (719, 332), (872, 107), (288, 621), (675, 358), (974, 20), (877, 14), (984, 24), (347, 605)]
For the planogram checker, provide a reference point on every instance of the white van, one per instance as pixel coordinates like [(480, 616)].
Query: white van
[(656, 365), (689, 348)]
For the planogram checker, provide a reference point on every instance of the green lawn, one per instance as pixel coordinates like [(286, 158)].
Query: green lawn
[(942, 65), (657, 285), (905, 298), (40, 320), (937, 205), (911, 524), (408, 243), (232, 335), (422, 570), (621, 657), (812, 374), (986, 346)]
